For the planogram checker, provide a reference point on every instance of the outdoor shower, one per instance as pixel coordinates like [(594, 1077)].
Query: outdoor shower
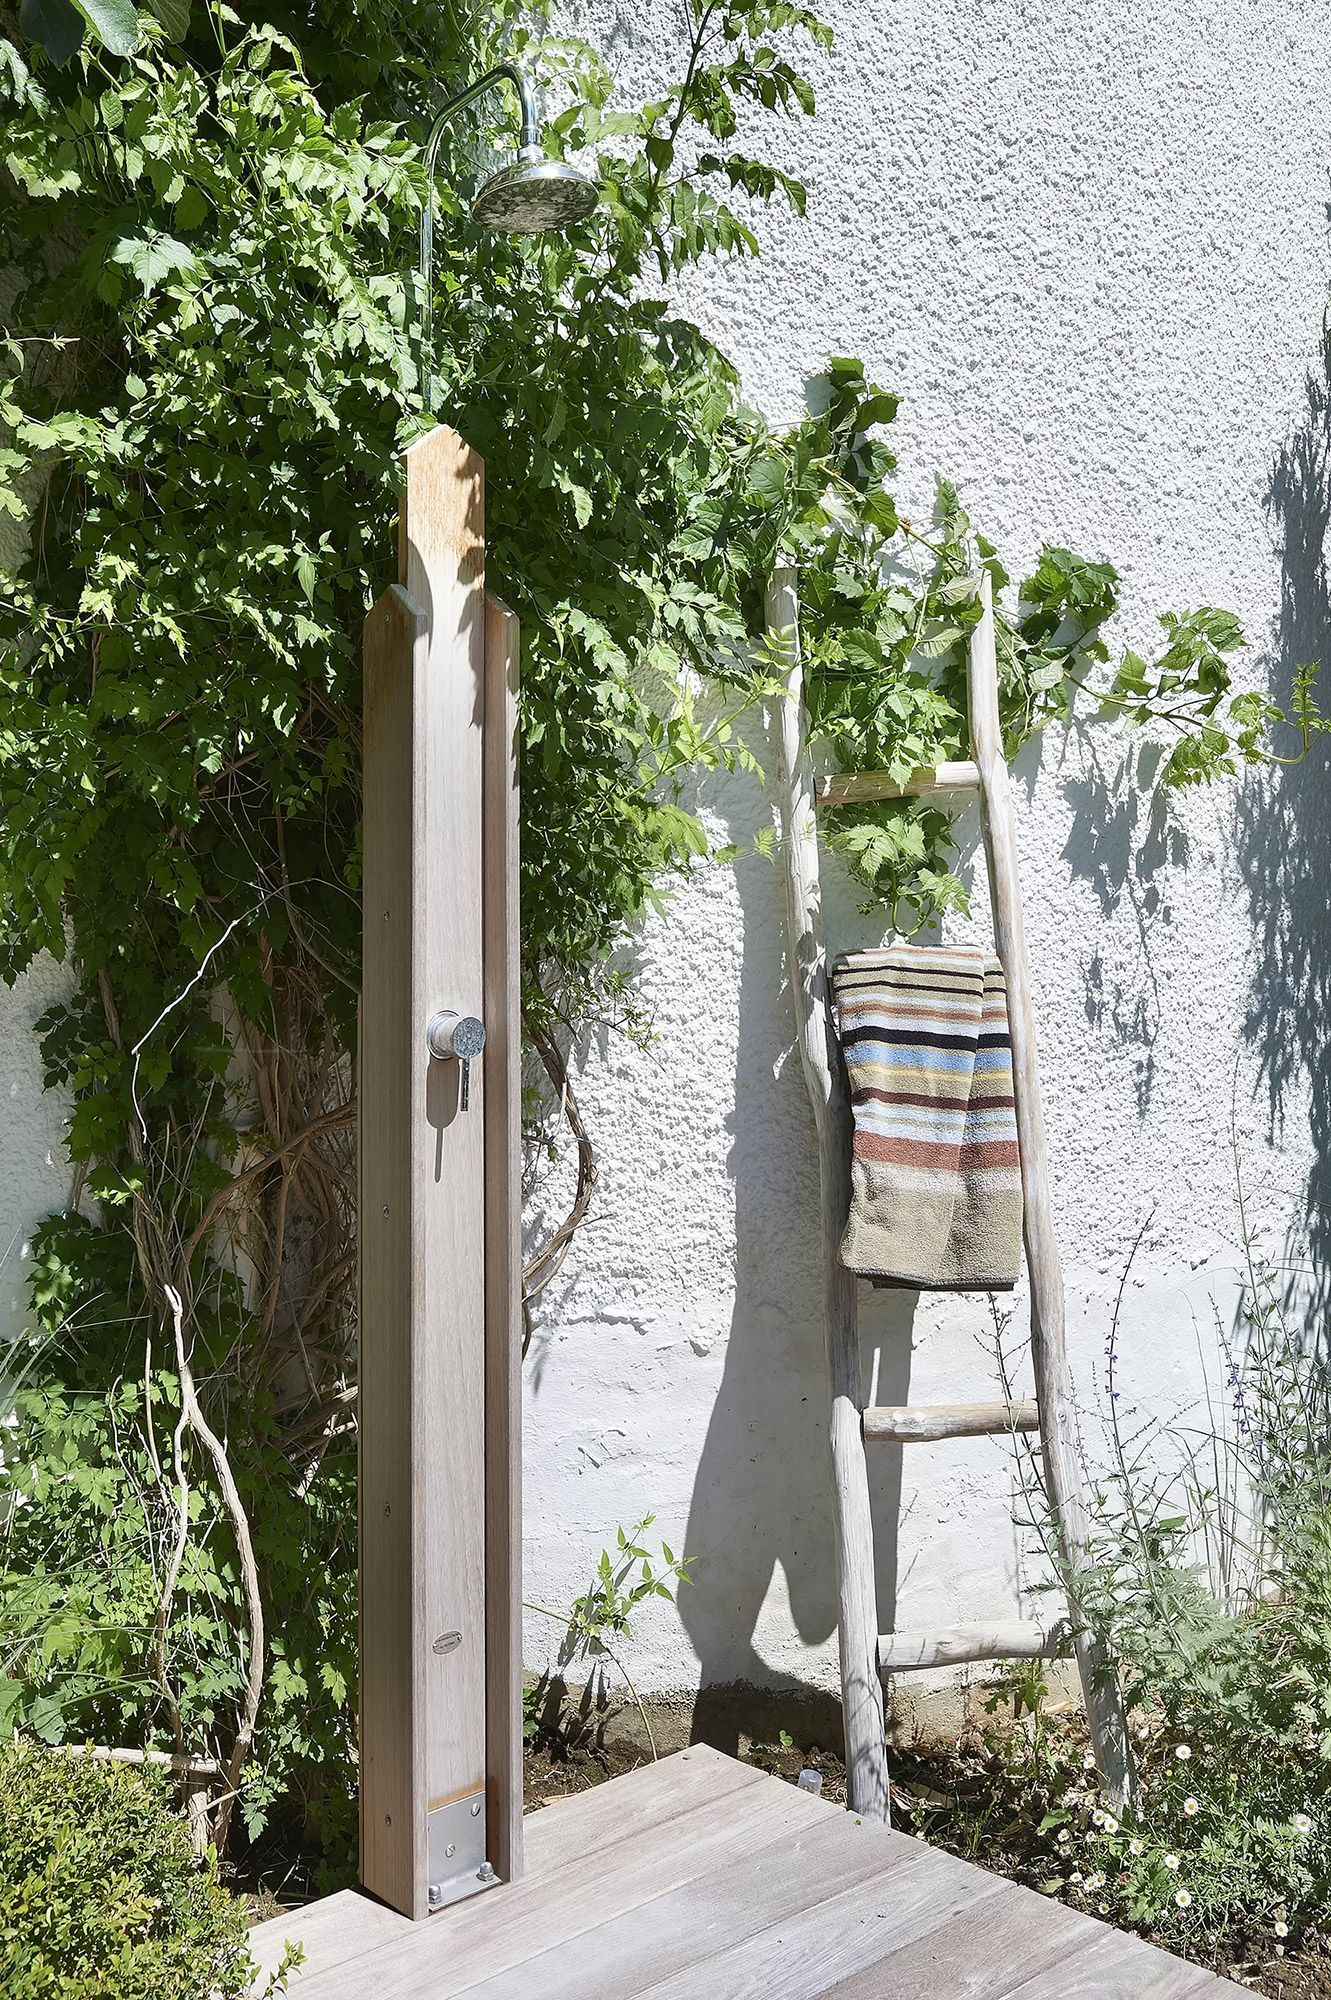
[(529, 196), (526, 198), (439, 1407)]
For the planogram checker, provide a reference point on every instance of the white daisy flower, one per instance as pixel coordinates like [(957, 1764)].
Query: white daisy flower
[(1095, 1881), (1183, 1898), (1136, 1847), (1281, 1929), (1302, 1823), (1109, 1823), (1171, 1863), (1182, 1752), (1190, 1807)]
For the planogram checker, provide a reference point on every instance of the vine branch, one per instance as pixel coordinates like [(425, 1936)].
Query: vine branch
[(240, 1526), (546, 1263)]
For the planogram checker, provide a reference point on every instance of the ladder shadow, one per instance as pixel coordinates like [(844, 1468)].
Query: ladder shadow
[(761, 1516)]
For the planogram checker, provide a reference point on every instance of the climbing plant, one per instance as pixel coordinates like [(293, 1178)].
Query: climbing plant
[(211, 365)]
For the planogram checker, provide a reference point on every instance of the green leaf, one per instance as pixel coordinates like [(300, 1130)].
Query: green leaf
[(766, 482), (153, 256), (56, 25), (190, 209), (114, 22), (173, 15)]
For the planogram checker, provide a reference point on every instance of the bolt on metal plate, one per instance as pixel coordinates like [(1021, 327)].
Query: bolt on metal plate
[(457, 1860)]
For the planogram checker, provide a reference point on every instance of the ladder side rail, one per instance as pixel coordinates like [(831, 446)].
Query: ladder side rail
[(1048, 1312), (820, 1056)]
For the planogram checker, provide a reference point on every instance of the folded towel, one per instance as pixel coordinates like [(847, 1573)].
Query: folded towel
[(935, 1174)]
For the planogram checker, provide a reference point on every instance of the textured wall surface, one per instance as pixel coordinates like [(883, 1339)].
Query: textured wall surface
[(34, 1175), (1088, 243)]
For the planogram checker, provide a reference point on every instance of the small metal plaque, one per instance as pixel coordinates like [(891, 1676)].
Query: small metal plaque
[(456, 1850)]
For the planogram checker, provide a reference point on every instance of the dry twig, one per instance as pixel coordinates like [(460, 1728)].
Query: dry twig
[(240, 1527)]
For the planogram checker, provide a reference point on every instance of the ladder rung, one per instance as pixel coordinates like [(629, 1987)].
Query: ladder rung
[(922, 1423), (848, 788), (906, 1652)]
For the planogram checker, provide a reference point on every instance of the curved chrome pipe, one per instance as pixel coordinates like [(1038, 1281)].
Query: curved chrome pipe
[(529, 136)]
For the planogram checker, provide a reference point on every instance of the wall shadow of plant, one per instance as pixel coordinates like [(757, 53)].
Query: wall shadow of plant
[(1121, 839), (1283, 833)]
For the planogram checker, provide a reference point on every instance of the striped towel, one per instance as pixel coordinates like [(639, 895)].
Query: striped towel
[(935, 1181)]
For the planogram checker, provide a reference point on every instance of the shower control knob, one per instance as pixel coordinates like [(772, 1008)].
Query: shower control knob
[(458, 1038)]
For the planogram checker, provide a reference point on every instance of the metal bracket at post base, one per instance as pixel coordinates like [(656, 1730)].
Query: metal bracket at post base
[(457, 1861)]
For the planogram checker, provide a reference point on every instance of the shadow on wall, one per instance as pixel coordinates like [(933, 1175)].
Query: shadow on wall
[(762, 1495), (1284, 830), (1120, 840)]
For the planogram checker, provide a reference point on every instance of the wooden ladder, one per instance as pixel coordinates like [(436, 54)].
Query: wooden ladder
[(865, 1655)]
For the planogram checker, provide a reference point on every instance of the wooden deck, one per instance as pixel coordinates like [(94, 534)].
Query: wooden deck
[(700, 1878)]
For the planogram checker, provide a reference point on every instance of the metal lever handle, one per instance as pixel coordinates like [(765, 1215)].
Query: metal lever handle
[(451, 1037)]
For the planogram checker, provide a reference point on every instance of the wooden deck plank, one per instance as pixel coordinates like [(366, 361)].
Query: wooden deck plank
[(640, 1799), (1115, 1966), (700, 1878), (347, 1925), (684, 1930), (946, 1964), (500, 1930), (806, 1951), (334, 1931), (1028, 1947)]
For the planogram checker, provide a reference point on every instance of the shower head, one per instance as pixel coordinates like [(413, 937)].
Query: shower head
[(528, 197), (534, 195)]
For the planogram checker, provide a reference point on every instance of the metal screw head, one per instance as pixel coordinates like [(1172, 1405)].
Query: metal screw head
[(475, 1808), (485, 1873), (451, 1850)]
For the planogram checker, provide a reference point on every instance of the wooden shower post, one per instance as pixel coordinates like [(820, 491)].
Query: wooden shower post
[(440, 1693)]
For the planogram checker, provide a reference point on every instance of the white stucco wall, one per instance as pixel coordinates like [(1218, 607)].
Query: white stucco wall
[(1088, 243), (34, 1172)]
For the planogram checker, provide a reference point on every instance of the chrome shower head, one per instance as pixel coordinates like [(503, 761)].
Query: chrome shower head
[(533, 195), (527, 198)]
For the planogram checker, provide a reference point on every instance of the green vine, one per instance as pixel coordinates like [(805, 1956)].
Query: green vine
[(211, 369)]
